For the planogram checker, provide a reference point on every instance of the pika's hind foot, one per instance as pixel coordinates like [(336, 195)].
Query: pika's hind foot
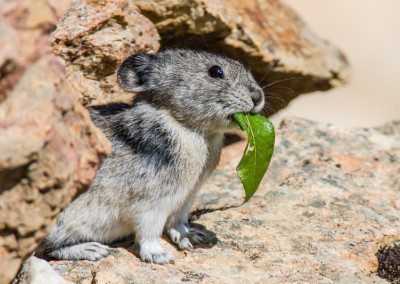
[(178, 235), (84, 251), (153, 252)]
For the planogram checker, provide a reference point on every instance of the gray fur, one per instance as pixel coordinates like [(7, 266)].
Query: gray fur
[(163, 147)]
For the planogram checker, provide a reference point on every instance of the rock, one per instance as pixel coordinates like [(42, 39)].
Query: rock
[(24, 29), (327, 205), (39, 271), (50, 151), (94, 37), (266, 35)]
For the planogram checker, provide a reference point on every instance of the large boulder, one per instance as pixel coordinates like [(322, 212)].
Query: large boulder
[(50, 151), (266, 35), (326, 207)]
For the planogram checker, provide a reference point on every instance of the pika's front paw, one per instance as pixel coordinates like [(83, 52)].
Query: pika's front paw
[(153, 252), (178, 235)]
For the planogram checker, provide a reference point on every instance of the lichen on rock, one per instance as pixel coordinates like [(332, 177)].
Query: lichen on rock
[(389, 262)]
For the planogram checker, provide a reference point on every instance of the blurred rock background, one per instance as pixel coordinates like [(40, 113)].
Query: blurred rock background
[(368, 31)]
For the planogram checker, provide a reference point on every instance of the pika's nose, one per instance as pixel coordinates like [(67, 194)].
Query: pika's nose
[(257, 96)]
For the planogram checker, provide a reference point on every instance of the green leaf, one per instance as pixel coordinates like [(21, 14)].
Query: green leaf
[(257, 155)]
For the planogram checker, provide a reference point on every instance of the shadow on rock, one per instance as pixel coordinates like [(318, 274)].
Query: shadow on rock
[(209, 239)]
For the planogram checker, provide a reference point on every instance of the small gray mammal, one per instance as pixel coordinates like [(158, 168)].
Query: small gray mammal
[(164, 146)]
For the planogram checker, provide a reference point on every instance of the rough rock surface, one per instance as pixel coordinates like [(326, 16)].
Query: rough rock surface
[(49, 153), (325, 208), (39, 271), (264, 34), (24, 29), (94, 37)]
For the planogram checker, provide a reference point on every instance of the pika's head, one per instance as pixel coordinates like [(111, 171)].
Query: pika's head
[(199, 89)]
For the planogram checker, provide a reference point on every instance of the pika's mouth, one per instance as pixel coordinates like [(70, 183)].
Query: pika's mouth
[(230, 120), (231, 117)]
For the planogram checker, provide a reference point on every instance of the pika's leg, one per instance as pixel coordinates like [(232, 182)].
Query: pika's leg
[(149, 228), (83, 251), (179, 229), (61, 245), (80, 230)]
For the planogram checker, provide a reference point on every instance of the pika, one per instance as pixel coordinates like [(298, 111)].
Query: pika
[(164, 146)]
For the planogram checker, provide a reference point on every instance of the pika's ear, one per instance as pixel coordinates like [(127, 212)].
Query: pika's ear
[(134, 73)]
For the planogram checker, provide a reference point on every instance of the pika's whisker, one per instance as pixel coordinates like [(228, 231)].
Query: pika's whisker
[(279, 81)]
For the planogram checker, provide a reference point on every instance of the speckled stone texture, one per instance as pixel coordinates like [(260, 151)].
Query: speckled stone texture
[(94, 37), (330, 201), (49, 153), (24, 29)]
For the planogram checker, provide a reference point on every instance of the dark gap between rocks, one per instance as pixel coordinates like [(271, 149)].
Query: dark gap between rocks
[(232, 138), (195, 215)]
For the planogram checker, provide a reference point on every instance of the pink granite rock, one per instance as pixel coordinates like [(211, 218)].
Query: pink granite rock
[(24, 29), (94, 37), (49, 153)]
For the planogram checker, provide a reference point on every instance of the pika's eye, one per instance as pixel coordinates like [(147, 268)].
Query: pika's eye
[(216, 72)]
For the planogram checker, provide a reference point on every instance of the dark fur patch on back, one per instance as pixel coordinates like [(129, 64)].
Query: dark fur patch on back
[(152, 143), (111, 109)]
